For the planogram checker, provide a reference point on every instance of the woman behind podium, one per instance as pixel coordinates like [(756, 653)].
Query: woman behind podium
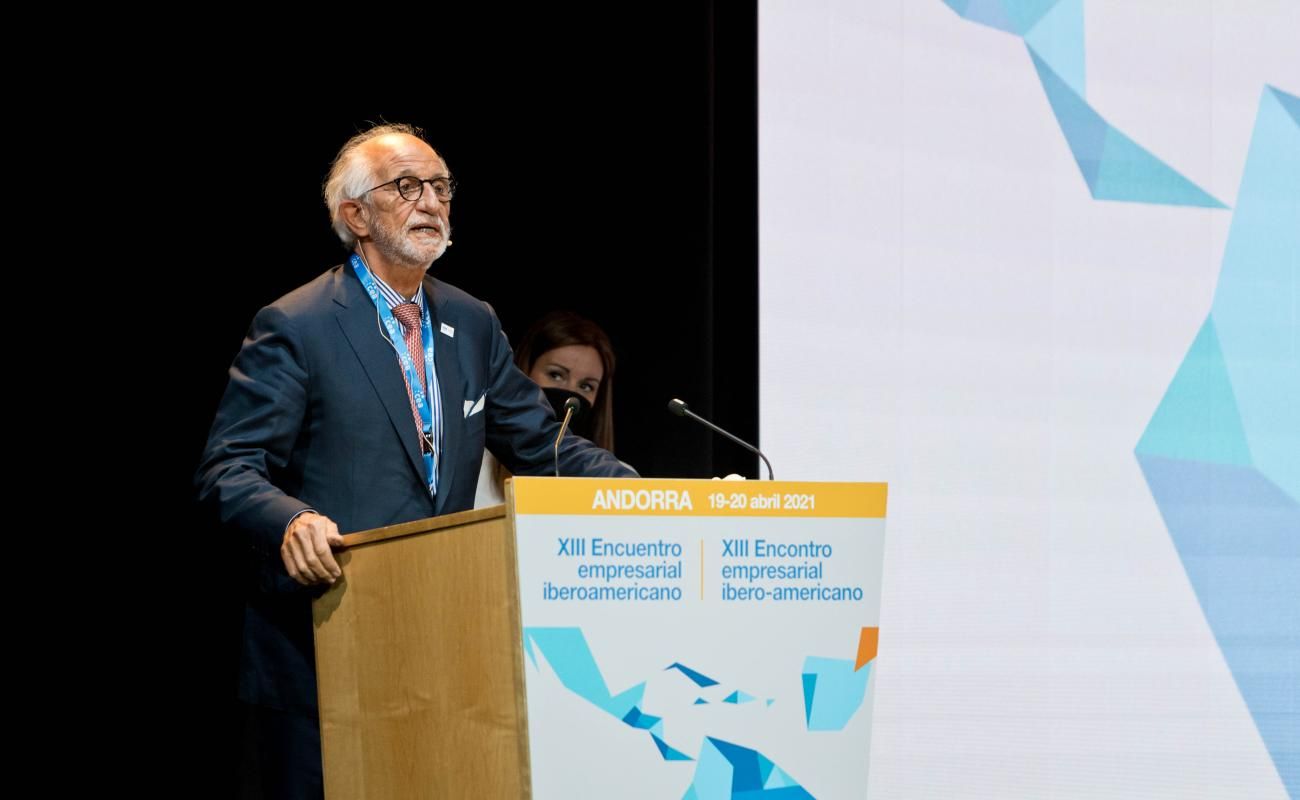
[(568, 356)]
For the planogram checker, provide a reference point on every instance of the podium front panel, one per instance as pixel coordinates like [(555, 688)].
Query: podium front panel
[(699, 639)]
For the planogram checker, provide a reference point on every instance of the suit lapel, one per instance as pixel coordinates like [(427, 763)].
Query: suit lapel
[(360, 323), (447, 366)]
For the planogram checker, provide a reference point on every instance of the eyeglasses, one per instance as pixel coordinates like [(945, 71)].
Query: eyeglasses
[(411, 187)]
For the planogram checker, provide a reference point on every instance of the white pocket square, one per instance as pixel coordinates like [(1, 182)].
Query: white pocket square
[(472, 407)]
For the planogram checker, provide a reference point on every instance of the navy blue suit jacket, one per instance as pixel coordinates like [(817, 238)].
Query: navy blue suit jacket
[(316, 415)]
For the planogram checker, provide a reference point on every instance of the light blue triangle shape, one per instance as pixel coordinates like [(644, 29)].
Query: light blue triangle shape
[(1238, 536), (621, 704), (1197, 419), (528, 649), (957, 5), (809, 695), (990, 13), (1129, 172), (566, 650), (1025, 14), (1255, 301), (668, 752), (713, 773), (779, 779), (1289, 102), (1084, 129), (1058, 39)]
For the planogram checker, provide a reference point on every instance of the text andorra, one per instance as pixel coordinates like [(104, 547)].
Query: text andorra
[(642, 500)]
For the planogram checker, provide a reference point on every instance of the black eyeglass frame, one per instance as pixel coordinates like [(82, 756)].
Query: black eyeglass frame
[(418, 187)]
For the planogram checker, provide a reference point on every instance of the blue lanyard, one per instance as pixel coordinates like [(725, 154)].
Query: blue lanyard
[(427, 401)]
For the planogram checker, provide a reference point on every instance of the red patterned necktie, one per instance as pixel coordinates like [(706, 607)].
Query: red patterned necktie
[(409, 315)]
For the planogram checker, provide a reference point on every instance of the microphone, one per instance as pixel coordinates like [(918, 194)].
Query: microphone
[(571, 407), (680, 409)]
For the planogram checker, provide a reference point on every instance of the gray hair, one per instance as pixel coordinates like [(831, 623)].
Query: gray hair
[(350, 175)]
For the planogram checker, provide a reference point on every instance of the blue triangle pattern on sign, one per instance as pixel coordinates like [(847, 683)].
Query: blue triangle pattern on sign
[(637, 719), (728, 771), (744, 765), (571, 659), (712, 778), (566, 650), (778, 779), (809, 695), (669, 753), (700, 679), (840, 691)]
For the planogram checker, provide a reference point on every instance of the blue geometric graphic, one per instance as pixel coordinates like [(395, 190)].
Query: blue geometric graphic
[(1238, 537), (737, 697), (1221, 454), (1113, 166), (832, 692), (700, 679), (1289, 104), (669, 753), (1255, 311), (566, 650), (1057, 39), (1012, 16), (727, 771), (644, 721), (809, 694), (1197, 419)]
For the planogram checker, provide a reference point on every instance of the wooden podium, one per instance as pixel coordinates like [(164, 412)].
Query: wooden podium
[(607, 638), (418, 654)]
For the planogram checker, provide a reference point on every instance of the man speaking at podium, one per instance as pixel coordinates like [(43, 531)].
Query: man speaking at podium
[(362, 399)]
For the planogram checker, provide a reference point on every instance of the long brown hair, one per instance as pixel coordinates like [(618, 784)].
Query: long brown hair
[(564, 328)]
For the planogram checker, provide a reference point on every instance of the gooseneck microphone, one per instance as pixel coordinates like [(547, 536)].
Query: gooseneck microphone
[(571, 407), (680, 409)]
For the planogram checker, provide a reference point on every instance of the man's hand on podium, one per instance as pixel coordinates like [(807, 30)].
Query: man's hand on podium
[(306, 549)]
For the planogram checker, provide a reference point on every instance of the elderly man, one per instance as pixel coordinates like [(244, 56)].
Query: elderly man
[(361, 399)]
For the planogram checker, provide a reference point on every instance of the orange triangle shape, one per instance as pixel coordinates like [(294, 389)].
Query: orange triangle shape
[(868, 643)]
